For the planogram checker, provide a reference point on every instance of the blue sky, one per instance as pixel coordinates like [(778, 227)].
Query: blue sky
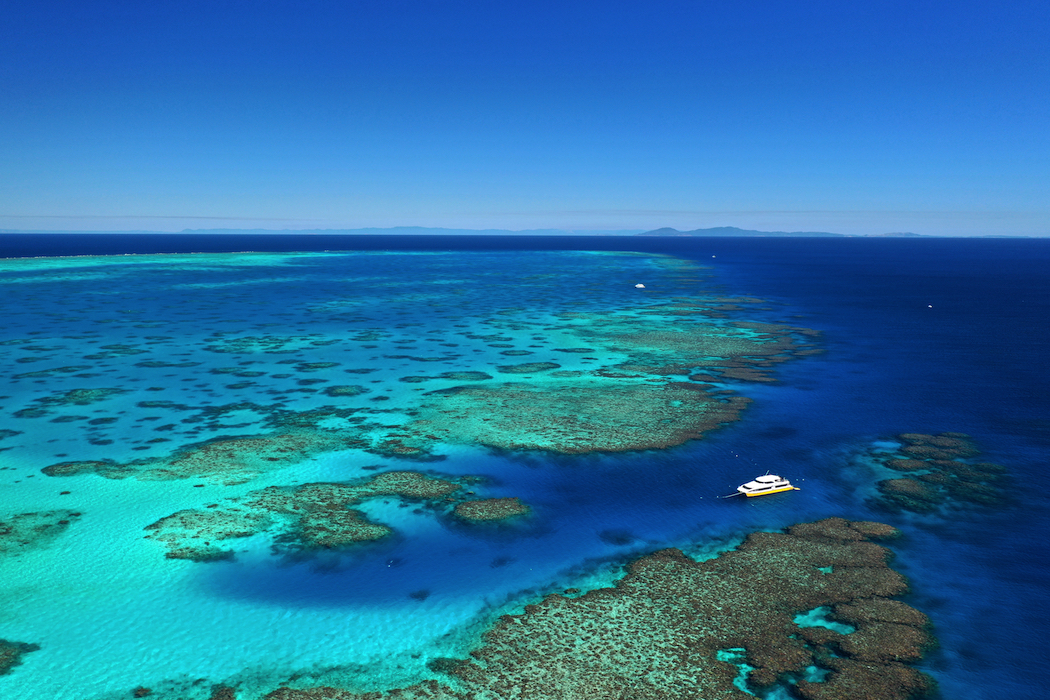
[(932, 117)]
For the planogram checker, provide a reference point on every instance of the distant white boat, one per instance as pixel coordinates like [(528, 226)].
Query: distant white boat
[(639, 286), (765, 485)]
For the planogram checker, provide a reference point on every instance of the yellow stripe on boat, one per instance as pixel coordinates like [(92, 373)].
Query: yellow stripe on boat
[(766, 493)]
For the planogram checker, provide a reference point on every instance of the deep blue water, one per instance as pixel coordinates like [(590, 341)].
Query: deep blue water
[(921, 335), (933, 334)]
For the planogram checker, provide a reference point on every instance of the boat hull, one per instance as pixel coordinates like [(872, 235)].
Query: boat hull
[(751, 494)]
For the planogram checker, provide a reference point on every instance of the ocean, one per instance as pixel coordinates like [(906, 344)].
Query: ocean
[(121, 354)]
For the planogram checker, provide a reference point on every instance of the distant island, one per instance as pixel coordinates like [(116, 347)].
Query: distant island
[(740, 232), (422, 231), (666, 231)]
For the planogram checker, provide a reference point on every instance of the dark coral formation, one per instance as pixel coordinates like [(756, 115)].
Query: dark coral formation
[(11, 654), (415, 379), (910, 494), (237, 371), (309, 517), (158, 364), (657, 341), (938, 470), (466, 376), (346, 390), (528, 368), (223, 692), (267, 344), (660, 631), (616, 356), (27, 531), (584, 416), (315, 366), (232, 460), (942, 446), (490, 509), (44, 373), (109, 469), (114, 351), (628, 401), (74, 397)]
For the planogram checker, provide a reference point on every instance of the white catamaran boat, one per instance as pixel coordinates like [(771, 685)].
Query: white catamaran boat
[(765, 485)]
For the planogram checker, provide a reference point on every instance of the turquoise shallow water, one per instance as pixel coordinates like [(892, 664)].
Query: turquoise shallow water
[(198, 347)]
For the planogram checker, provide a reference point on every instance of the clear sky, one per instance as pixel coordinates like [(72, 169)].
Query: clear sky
[(854, 117)]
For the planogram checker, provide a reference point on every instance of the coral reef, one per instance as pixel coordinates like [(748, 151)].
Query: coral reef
[(268, 344), (28, 531), (659, 632), (309, 517), (198, 534), (230, 460), (603, 376), (44, 373), (657, 341), (582, 416), (938, 473), (468, 376), (414, 379), (910, 494), (490, 509), (627, 403), (74, 397), (114, 351), (528, 368), (11, 654), (346, 390), (223, 692)]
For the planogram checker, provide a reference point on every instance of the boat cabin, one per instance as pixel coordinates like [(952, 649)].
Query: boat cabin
[(766, 484)]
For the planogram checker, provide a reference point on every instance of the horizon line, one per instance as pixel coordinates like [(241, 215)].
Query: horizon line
[(553, 232)]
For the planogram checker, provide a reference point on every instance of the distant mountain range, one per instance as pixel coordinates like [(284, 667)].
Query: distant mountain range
[(428, 231), (418, 231), (741, 232)]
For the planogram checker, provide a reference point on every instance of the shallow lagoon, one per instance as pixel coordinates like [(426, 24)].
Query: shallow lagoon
[(131, 359)]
